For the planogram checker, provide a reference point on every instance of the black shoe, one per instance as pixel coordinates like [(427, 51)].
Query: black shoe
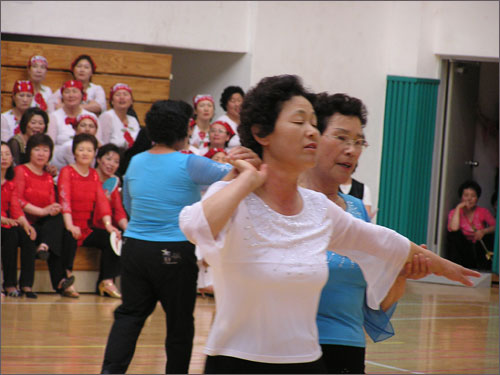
[(29, 294), (42, 255), (68, 282)]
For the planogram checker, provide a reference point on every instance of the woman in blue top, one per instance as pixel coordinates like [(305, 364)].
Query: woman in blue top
[(158, 263), (343, 310)]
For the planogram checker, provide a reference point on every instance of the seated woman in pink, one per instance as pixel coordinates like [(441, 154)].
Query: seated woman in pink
[(83, 200), (471, 230)]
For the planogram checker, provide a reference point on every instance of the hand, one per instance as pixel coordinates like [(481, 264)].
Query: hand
[(9, 221), (455, 272), (243, 153), (51, 169), (30, 231), (76, 232), (479, 234), (417, 269), (462, 204), (256, 177), (110, 229), (52, 209)]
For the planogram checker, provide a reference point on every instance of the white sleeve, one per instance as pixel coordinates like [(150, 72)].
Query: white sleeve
[(5, 129), (194, 225), (52, 129), (367, 196), (100, 97), (380, 252), (104, 128)]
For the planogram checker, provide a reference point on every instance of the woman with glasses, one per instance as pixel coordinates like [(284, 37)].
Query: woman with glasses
[(219, 136), (343, 309)]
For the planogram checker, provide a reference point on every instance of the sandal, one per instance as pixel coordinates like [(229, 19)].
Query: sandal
[(42, 252), (13, 293)]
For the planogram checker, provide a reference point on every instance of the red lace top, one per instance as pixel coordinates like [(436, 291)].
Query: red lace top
[(35, 189), (118, 212), (10, 203), (83, 198)]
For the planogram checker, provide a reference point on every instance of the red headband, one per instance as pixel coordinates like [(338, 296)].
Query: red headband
[(84, 116), (23, 86), (199, 98), (228, 127), (92, 63), (119, 86), (72, 83), (38, 58), (213, 151)]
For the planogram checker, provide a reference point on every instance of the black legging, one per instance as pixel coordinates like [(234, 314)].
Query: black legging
[(152, 272), (12, 238), (466, 253)]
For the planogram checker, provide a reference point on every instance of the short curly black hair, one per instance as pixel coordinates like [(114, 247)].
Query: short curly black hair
[(108, 147), (83, 137), (28, 115), (326, 105), (227, 93), (469, 184), (263, 104), (167, 121), (37, 140)]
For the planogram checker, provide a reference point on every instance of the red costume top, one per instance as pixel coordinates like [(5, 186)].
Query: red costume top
[(35, 189), (118, 212), (83, 198), (10, 203)]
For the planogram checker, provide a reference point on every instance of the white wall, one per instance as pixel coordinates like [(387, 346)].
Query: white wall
[(338, 46)]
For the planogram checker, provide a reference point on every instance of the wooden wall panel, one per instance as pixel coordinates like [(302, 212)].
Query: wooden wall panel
[(145, 64)]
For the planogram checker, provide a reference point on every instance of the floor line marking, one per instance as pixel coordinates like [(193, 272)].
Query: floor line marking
[(393, 368), (447, 317)]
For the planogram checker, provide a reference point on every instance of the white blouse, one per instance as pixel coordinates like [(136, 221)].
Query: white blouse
[(112, 130), (269, 270), (235, 139), (9, 125), (48, 96), (58, 130)]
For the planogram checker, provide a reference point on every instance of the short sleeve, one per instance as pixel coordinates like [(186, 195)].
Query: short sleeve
[(204, 171), (117, 206), (367, 196), (105, 128), (450, 215), (5, 129), (100, 97)]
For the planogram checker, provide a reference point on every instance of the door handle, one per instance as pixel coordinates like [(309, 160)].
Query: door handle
[(472, 163)]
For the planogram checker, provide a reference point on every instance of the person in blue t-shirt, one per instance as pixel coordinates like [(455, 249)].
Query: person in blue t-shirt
[(343, 309), (158, 263)]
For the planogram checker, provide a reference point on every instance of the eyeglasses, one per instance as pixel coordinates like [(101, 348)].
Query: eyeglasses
[(217, 131), (358, 144)]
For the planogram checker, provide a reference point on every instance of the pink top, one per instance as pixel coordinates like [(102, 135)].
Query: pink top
[(482, 219)]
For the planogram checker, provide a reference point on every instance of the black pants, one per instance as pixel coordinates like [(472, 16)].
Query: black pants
[(152, 272), (50, 230), (343, 359), (466, 253), (12, 238), (230, 365), (99, 238)]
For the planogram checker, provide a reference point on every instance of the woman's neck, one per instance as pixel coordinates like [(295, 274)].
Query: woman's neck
[(102, 177), (311, 179), (35, 168), (122, 114), (37, 86), (4, 172), (17, 113), (72, 111), (85, 84), (203, 125), (160, 148), (82, 169)]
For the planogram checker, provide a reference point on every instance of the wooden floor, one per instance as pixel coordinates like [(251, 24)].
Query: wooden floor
[(439, 329)]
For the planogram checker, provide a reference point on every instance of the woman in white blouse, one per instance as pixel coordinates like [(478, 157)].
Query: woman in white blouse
[(115, 125), (37, 70), (83, 67), (266, 239), (22, 95)]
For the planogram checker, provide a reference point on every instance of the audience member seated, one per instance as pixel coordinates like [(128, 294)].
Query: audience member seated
[(62, 121), (203, 113), (219, 135), (86, 123), (83, 67), (217, 154), (83, 200), (16, 232), (43, 97), (36, 192), (471, 230), (22, 95), (108, 161), (33, 121), (116, 126), (231, 101)]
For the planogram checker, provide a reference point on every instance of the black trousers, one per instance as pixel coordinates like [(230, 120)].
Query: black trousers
[(12, 238), (466, 253), (343, 359), (99, 238), (152, 272), (220, 364), (50, 230)]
